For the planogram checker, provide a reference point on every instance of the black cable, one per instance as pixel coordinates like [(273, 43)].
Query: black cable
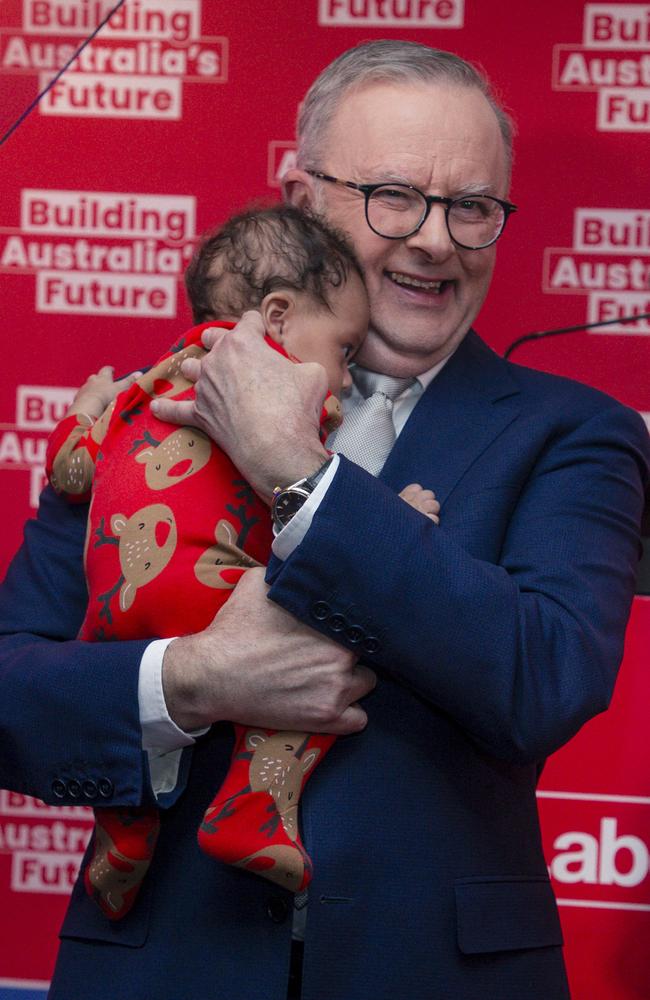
[(58, 75), (571, 329)]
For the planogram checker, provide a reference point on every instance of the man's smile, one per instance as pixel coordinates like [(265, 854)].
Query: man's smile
[(429, 284), (417, 288)]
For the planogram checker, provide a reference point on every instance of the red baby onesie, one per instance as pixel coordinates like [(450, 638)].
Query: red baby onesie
[(171, 528)]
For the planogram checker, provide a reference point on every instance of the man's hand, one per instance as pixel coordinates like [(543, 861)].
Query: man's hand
[(260, 408), (257, 665)]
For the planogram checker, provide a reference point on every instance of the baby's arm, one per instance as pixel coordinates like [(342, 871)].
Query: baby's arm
[(98, 392), (74, 442), (423, 500)]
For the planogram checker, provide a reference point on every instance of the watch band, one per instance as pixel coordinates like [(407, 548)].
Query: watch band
[(311, 482)]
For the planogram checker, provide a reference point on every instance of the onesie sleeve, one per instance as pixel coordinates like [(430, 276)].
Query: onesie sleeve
[(72, 450)]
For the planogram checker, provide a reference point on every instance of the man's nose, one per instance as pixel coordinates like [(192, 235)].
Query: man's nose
[(433, 236), (347, 378)]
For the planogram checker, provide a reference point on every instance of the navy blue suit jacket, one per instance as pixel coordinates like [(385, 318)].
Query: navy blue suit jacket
[(495, 636)]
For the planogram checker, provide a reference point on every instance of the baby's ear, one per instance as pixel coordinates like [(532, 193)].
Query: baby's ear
[(276, 309)]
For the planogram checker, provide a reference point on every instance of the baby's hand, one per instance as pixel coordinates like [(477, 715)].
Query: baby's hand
[(99, 390), (423, 500)]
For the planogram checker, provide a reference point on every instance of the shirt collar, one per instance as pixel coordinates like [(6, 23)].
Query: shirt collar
[(425, 379), (421, 383)]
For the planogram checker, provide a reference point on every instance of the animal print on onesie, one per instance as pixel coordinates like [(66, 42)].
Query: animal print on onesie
[(170, 515)]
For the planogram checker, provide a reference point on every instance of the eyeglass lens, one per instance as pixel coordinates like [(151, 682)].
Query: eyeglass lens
[(474, 222)]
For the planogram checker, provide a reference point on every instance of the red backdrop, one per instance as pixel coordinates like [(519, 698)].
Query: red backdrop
[(182, 111)]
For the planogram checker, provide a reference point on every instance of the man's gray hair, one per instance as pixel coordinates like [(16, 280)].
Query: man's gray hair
[(385, 60)]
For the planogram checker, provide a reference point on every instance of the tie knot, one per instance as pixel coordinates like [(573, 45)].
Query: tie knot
[(368, 383)]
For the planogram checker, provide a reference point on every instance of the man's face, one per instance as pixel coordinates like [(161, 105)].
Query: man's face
[(425, 292)]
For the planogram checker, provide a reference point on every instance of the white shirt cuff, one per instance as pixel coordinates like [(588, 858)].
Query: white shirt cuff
[(291, 536), (159, 732)]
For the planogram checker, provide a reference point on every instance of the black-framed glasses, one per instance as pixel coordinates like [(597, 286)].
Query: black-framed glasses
[(396, 211)]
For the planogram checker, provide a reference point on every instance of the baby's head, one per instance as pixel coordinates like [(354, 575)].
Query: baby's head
[(301, 275)]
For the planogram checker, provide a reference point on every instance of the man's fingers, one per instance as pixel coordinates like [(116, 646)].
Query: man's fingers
[(175, 411), (314, 375), (251, 324), (352, 720), (191, 369), (364, 680), (210, 336)]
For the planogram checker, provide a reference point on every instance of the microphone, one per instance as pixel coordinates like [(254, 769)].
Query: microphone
[(57, 76), (571, 329)]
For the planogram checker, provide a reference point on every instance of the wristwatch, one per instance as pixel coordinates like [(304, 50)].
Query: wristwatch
[(287, 500)]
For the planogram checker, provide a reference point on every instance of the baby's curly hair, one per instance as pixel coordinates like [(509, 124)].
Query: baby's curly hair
[(261, 251)]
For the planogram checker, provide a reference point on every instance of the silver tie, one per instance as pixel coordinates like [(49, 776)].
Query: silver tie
[(368, 433)]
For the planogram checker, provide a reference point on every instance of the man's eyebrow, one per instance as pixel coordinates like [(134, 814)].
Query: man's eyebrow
[(475, 189), (388, 176), (391, 176)]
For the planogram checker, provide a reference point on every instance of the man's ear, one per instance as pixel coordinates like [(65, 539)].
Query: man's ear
[(276, 309), (298, 188)]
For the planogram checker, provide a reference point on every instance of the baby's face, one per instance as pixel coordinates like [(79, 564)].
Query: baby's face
[(331, 336)]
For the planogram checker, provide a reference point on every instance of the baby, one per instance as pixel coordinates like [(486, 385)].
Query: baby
[(172, 525)]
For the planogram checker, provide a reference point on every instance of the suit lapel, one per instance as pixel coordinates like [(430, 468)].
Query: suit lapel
[(470, 402)]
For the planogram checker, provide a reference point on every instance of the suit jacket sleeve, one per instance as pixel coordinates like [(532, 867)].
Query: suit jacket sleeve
[(519, 648), (69, 722)]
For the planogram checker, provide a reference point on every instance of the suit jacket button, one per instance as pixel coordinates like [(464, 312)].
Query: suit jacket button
[(74, 788), (337, 622), (354, 633), (321, 610), (89, 789), (277, 909), (371, 644), (59, 788), (105, 788)]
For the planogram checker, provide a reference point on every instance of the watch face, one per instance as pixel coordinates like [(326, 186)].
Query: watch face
[(287, 504)]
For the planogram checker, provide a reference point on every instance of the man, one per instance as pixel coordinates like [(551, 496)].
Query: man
[(491, 638)]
